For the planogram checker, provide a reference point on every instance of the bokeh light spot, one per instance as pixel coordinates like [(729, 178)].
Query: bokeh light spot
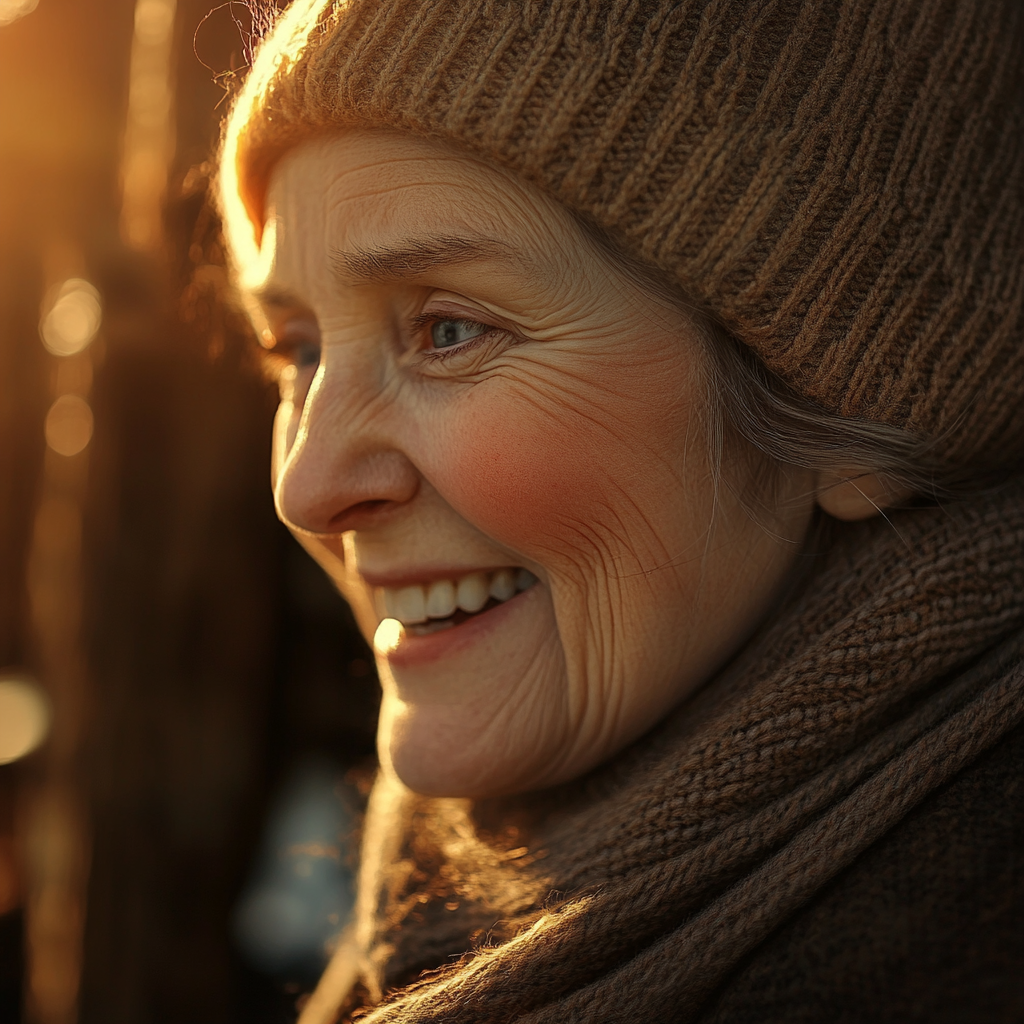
[(73, 319), (24, 718), (12, 10), (69, 425)]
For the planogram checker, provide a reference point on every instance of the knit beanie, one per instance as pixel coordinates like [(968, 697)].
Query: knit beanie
[(840, 183)]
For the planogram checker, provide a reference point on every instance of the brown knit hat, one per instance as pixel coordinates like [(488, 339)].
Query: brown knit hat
[(839, 182)]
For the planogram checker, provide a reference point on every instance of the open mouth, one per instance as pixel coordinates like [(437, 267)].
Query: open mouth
[(442, 604)]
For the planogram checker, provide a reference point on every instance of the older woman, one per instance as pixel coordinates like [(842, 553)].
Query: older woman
[(651, 387)]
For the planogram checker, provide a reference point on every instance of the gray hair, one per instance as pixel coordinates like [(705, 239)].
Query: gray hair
[(748, 403)]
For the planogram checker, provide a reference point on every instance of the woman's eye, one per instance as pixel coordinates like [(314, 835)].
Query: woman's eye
[(293, 356), (305, 354), (446, 333), (298, 345)]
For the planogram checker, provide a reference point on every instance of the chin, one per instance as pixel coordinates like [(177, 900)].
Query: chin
[(480, 709), (450, 752)]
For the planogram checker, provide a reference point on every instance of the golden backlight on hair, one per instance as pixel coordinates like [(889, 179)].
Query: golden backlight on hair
[(284, 43)]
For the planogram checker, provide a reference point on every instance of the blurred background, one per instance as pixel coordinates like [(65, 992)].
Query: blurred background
[(186, 711)]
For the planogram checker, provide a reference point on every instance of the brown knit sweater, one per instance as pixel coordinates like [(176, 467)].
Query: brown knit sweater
[(656, 887)]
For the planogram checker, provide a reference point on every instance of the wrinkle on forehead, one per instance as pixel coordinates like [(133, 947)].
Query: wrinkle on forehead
[(440, 220), (464, 189), (418, 256)]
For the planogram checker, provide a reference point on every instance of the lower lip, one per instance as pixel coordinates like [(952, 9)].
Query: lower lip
[(446, 643)]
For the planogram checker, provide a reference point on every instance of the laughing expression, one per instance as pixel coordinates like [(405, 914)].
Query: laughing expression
[(493, 440)]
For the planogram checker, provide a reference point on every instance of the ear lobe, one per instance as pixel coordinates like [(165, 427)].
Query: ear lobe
[(853, 493)]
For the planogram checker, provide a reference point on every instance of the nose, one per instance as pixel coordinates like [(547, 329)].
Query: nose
[(345, 470)]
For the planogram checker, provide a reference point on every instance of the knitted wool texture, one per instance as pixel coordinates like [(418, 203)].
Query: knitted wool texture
[(839, 183), (632, 893)]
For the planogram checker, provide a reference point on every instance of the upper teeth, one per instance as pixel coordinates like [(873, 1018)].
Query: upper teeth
[(439, 599)]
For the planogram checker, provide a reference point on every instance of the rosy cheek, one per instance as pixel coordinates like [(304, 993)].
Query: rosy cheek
[(522, 476)]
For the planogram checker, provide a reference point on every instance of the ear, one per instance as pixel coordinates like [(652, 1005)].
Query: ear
[(853, 493)]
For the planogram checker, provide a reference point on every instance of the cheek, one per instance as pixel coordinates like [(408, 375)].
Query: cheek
[(521, 474), (538, 480)]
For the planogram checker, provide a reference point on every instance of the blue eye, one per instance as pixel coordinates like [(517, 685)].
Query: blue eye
[(446, 333), (306, 354), (299, 344)]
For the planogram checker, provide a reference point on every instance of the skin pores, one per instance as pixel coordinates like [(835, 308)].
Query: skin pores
[(469, 385)]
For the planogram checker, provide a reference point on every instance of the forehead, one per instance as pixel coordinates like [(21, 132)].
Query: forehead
[(373, 190)]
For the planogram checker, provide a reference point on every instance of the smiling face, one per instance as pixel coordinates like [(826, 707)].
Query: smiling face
[(490, 432)]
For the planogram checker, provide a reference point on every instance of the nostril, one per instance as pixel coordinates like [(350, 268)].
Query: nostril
[(357, 514), (330, 486)]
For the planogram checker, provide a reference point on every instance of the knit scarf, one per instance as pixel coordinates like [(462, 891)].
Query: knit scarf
[(639, 886)]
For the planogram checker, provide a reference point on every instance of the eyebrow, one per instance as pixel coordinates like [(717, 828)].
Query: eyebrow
[(419, 256)]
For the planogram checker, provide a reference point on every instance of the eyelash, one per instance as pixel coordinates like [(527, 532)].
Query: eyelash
[(425, 320)]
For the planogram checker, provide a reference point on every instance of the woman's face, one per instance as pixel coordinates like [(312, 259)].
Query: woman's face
[(489, 432)]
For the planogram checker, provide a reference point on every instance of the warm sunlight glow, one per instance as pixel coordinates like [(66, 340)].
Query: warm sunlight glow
[(149, 132), (285, 42), (388, 636), (259, 267), (69, 425), (73, 319), (24, 718), (12, 10)]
